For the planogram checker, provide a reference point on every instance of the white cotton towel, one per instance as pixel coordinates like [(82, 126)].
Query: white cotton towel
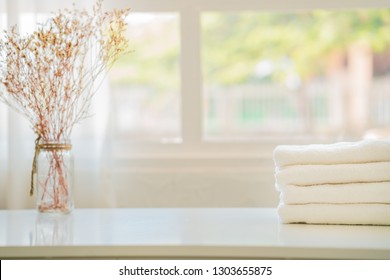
[(376, 192), (304, 175), (350, 214), (343, 152)]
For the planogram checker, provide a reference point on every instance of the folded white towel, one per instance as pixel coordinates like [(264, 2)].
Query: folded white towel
[(352, 214), (377, 192), (343, 152), (304, 175)]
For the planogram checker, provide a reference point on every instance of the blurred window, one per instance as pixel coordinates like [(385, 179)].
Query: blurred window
[(145, 83), (317, 73)]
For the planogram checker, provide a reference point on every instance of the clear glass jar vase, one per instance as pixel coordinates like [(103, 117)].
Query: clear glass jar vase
[(54, 177)]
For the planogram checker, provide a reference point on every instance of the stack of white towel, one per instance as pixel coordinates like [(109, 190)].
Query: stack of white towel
[(342, 183)]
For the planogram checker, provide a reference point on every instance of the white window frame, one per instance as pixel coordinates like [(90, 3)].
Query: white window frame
[(191, 75)]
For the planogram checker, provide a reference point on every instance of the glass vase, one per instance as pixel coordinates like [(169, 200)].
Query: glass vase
[(54, 177)]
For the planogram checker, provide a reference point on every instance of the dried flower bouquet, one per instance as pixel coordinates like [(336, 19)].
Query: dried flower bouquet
[(51, 75)]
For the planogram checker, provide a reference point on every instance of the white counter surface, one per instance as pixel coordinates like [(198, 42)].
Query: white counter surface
[(182, 233)]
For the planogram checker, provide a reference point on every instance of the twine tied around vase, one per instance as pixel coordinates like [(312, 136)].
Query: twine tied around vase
[(46, 147)]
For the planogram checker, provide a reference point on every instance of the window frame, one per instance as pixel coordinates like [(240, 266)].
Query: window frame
[(192, 143)]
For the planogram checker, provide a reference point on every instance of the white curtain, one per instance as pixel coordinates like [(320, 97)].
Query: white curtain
[(90, 139)]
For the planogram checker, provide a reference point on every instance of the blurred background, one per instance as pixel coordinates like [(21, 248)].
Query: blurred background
[(191, 115), (318, 73)]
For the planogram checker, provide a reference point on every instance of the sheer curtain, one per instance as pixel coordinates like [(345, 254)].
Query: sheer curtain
[(90, 139)]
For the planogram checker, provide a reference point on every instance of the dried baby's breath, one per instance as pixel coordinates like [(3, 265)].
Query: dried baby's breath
[(51, 75)]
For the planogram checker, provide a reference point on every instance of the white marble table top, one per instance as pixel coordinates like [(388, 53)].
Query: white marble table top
[(153, 233)]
